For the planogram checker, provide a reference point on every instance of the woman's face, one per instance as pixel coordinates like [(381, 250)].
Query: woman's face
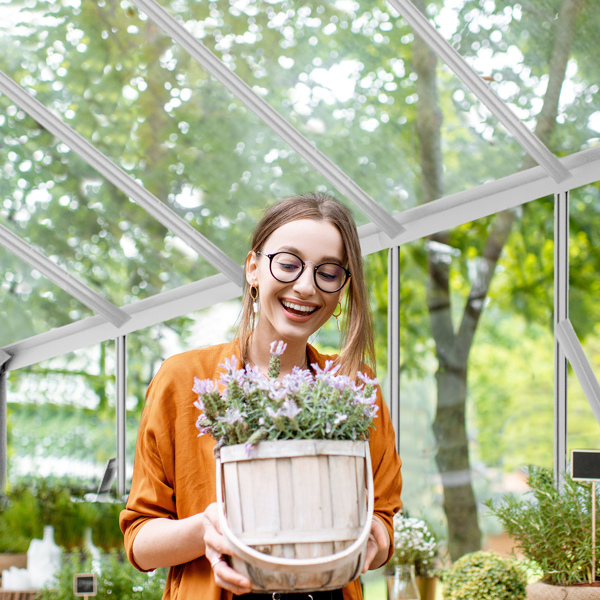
[(295, 310)]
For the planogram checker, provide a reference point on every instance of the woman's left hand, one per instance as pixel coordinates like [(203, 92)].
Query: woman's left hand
[(378, 545)]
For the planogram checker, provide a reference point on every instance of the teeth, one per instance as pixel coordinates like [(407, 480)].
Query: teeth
[(298, 307)]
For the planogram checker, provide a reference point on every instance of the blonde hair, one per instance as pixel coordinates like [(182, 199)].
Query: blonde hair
[(357, 346)]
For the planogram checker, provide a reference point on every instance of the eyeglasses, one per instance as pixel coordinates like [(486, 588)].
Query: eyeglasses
[(287, 267)]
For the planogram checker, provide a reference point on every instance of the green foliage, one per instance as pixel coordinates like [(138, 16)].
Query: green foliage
[(484, 576), (35, 502), (552, 525), (118, 579)]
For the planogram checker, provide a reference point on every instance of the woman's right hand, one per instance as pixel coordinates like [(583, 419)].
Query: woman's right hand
[(216, 549)]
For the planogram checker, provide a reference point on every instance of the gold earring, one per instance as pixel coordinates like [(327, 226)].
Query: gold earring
[(254, 296), (337, 317)]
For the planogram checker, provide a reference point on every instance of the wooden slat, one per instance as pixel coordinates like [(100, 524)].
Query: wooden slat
[(246, 495), (296, 536), (292, 448), (233, 500)]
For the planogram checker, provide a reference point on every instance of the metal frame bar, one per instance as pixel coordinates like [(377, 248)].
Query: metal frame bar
[(241, 90), (581, 365), (561, 313), (508, 192), (122, 180), (528, 140), (394, 339), (121, 412), (183, 300), (3, 429), (100, 305)]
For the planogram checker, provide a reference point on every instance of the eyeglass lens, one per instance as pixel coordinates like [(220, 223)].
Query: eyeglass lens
[(286, 267)]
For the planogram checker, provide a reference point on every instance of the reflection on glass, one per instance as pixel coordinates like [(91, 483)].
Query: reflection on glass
[(61, 206), (476, 369), (62, 416), (31, 304), (584, 290)]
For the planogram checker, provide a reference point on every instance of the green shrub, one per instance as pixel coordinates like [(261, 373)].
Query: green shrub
[(34, 502), (484, 576), (119, 579), (552, 526)]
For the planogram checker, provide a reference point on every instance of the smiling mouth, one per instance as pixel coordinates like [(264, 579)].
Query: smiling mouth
[(298, 309)]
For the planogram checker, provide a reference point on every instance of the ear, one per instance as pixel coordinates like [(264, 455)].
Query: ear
[(251, 269)]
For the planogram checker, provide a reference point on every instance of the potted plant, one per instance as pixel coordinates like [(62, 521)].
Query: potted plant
[(552, 526), (304, 437), (414, 545), (484, 576)]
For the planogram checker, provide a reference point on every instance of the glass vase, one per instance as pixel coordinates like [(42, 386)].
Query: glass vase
[(404, 586)]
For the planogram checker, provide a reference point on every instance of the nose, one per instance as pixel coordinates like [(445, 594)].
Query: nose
[(305, 284)]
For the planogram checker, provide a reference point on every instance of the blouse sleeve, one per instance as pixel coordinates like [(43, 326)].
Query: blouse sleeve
[(386, 469), (152, 487)]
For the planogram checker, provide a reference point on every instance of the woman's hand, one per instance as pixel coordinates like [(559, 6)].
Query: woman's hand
[(216, 548), (378, 545)]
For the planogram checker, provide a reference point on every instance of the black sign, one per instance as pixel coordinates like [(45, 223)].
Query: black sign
[(84, 584), (585, 465)]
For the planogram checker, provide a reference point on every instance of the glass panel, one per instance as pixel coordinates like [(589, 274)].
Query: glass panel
[(532, 53), (61, 417), (476, 369), (346, 76), (584, 291), (58, 203), (30, 303), (149, 107)]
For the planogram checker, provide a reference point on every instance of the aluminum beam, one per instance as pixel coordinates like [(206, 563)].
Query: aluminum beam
[(561, 314), (3, 430), (482, 201), (581, 365), (394, 339), (121, 412), (451, 211), (100, 305), (528, 140), (241, 90), (145, 313), (122, 180)]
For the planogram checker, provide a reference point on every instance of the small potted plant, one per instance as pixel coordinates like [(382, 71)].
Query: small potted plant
[(484, 576), (552, 526), (415, 548), (304, 437)]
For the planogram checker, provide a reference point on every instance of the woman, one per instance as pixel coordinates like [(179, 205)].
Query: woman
[(305, 258)]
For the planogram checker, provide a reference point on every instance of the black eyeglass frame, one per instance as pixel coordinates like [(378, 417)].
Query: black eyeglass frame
[(303, 263)]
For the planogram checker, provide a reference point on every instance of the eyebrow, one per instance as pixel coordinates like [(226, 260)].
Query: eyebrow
[(294, 250)]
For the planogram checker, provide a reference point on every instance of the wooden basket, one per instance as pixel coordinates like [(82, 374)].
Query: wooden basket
[(296, 513)]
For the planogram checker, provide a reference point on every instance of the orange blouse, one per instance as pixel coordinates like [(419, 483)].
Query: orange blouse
[(174, 473)]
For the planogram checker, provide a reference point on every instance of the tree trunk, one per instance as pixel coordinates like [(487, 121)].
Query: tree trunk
[(453, 347)]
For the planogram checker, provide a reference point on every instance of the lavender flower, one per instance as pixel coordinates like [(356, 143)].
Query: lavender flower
[(278, 348), (245, 406)]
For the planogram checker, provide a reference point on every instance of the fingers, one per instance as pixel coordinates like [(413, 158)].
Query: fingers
[(372, 550), (229, 579), (216, 551), (377, 544)]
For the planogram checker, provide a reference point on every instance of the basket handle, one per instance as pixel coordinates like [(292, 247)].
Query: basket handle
[(295, 565)]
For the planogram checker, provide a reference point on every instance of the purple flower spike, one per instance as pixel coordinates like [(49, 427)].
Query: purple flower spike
[(278, 348), (366, 379)]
